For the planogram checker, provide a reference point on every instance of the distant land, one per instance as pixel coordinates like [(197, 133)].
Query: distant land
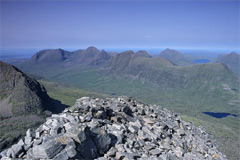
[(27, 53)]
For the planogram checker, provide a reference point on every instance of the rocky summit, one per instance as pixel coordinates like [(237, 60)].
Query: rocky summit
[(115, 128)]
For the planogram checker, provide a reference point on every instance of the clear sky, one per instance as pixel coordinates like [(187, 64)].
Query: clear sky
[(121, 24)]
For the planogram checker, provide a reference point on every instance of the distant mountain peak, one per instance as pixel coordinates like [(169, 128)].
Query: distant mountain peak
[(143, 53), (51, 55), (171, 55), (232, 60), (128, 52), (233, 54), (168, 49), (92, 49), (89, 56)]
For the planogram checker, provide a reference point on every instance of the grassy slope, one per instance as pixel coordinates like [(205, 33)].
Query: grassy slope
[(66, 94), (14, 128)]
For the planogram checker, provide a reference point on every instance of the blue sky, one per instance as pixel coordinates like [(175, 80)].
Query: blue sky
[(121, 24)]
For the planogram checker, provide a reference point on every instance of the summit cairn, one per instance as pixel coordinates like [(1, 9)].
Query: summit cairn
[(115, 128)]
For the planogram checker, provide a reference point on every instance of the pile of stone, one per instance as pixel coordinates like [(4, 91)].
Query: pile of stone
[(115, 128)]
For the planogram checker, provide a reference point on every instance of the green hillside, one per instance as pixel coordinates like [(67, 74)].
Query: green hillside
[(67, 94)]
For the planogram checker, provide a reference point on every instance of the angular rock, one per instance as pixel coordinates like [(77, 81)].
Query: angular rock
[(71, 152), (78, 134), (88, 149), (61, 156), (103, 142), (127, 110), (155, 152), (148, 120), (112, 152), (101, 115), (30, 133), (148, 131), (120, 155), (16, 150), (47, 150), (28, 140), (66, 140)]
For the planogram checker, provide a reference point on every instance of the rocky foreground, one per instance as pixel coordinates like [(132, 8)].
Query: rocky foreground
[(112, 128)]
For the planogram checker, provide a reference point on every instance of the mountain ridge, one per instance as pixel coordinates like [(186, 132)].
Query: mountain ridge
[(89, 57)]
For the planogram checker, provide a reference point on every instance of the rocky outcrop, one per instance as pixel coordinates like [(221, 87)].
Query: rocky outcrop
[(115, 128), (20, 94)]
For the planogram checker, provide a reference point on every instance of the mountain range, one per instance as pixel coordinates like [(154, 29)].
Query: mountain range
[(90, 56), (98, 71)]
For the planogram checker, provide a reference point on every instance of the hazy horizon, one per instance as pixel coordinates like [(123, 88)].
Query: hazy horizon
[(27, 53)]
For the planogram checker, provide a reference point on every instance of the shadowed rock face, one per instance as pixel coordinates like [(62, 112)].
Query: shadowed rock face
[(115, 128), (21, 94)]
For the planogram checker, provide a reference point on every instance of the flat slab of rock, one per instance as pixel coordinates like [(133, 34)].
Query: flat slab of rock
[(147, 120), (47, 150), (155, 152)]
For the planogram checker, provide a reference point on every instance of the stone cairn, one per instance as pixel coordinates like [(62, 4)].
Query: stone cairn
[(115, 128)]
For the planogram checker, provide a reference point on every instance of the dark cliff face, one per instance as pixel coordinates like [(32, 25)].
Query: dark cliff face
[(21, 94)]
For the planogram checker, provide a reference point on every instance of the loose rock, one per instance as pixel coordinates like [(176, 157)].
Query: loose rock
[(115, 128)]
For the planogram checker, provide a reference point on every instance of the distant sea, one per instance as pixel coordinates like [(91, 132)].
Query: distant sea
[(27, 53)]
